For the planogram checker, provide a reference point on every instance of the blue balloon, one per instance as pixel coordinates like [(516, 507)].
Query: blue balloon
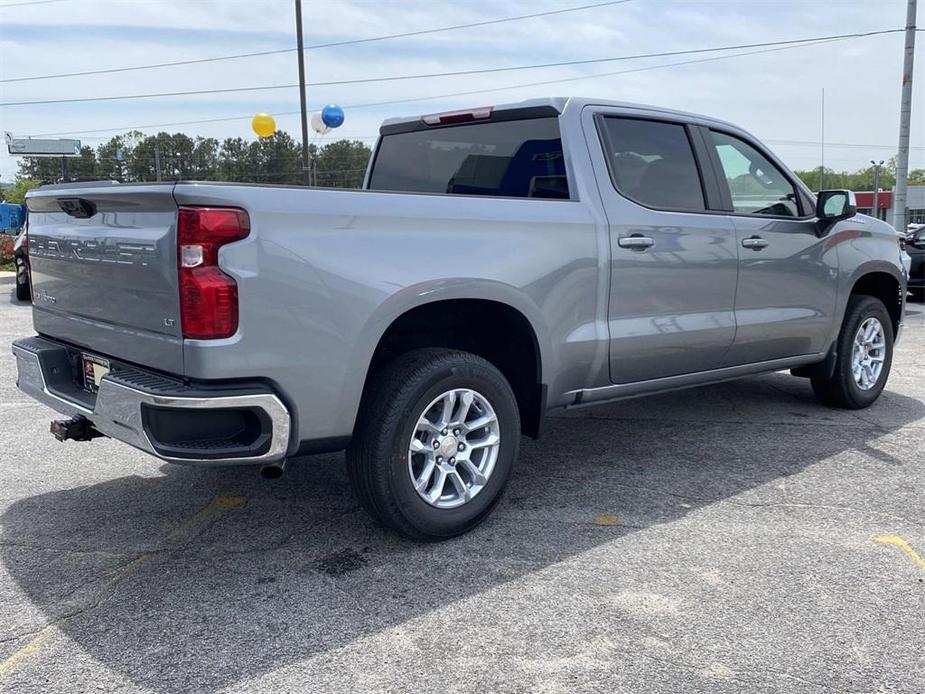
[(332, 116)]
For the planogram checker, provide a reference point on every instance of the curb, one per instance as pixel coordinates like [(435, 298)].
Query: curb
[(7, 277)]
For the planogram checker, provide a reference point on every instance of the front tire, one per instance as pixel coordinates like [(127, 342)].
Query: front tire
[(865, 354), (436, 437)]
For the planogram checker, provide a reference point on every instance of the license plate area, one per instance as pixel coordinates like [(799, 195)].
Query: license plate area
[(93, 368)]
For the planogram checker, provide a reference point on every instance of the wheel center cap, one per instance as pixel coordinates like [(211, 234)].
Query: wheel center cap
[(448, 445)]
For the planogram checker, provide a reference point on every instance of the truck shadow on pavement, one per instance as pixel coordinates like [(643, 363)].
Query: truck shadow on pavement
[(194, 580)]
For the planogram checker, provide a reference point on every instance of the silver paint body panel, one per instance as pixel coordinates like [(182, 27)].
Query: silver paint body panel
[(324, 273)]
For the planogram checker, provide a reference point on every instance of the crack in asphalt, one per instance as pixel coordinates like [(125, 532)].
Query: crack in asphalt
[(70, 550), (117, 574), (177, 539)]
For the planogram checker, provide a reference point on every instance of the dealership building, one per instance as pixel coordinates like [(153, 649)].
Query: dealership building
[(915, 204)]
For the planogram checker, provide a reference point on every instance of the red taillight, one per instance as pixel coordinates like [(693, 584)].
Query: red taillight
[(208, 297)]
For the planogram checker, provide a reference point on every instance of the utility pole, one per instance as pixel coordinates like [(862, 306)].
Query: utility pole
[(306, 160), (822, 143), (905, 117), (875, 210), (157, 161)]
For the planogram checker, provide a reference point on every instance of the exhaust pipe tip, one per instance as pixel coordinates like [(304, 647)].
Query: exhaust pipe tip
[(274, 471)]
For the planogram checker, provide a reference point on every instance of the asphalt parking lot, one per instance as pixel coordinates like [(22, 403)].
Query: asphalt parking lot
[(725, 539)]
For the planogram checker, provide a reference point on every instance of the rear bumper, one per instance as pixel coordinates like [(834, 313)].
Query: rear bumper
[(214, 425)]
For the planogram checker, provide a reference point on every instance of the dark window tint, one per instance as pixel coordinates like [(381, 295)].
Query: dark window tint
[(653, 163), (521, 159), (756, 185)]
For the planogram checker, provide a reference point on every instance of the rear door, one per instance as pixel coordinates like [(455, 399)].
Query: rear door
[(673, 262), (788, 268), (104, 270)]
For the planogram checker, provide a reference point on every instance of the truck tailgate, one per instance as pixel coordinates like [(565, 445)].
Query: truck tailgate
[(104, 270)]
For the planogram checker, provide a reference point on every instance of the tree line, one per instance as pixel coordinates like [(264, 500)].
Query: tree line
[(862, 179), (135, 157)]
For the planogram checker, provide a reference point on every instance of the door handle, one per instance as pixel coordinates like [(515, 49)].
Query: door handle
[(636, 242), (756, 243)]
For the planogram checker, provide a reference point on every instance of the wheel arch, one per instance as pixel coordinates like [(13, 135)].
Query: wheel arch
[(884, 282), (516, 340)]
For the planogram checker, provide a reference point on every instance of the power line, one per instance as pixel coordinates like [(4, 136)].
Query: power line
[(336, 44), (431, 97), (30, 2), (456, 73)]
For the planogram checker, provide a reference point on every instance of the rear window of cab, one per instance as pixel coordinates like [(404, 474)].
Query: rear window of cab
[(513, 158)]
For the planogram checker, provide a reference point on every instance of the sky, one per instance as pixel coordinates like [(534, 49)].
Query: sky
[(775, 95)]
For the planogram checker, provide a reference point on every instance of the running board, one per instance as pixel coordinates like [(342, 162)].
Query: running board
[(620, 391)]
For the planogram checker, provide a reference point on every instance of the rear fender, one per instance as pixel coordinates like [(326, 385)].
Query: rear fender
[(429, 292)]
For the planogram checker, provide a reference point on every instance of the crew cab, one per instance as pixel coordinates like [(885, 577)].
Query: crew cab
[(501, 262)]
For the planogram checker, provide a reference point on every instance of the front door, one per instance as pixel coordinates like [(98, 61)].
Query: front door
[(673, 263), (788, 270)]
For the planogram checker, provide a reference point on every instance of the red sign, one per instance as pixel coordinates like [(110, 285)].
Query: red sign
[(866, 199)]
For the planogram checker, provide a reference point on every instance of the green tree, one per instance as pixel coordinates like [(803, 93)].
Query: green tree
[(49, 169), (43, 169), (203, 165), (275, 159), (232, 153), (84, 167), (134, 156), (21, 186), (862, 179), (341, 164), (113, 156), (173, 154)]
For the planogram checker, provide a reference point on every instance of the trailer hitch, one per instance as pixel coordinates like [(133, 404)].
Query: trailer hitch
[(76, 428)]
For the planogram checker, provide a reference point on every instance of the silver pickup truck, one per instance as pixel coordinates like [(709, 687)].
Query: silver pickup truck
[(501, 262)]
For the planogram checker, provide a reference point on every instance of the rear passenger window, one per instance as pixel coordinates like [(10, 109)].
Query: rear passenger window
[(653, 163), (520, 158)]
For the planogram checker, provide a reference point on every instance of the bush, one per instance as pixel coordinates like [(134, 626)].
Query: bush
[(6, 252)]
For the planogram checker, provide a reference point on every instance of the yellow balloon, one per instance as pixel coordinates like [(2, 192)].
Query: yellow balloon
[(263, 124)]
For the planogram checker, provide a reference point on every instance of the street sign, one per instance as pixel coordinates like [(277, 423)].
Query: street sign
[(38, 147)]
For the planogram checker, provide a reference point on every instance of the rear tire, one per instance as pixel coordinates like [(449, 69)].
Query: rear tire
[(22, 282), (399, 464), (856, 381), (917, 294)]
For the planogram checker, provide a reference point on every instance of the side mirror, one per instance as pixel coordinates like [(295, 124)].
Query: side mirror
[(833, 205)]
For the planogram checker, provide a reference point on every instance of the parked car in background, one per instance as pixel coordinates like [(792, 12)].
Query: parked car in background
[(501, 262), (915, 247), (13, 222)]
